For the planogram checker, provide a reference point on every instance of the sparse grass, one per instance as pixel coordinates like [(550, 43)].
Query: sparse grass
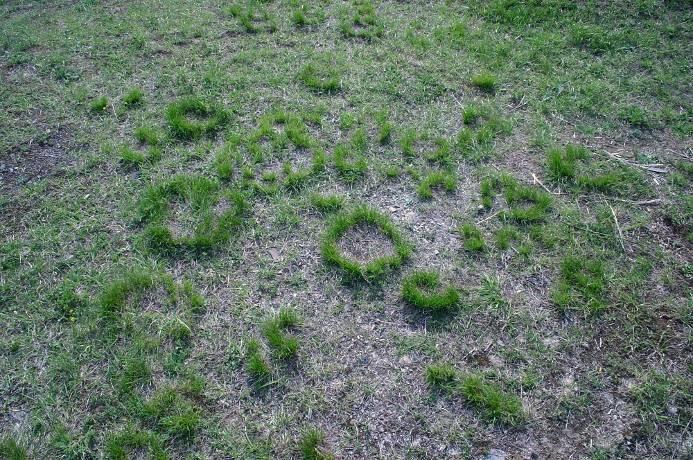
[(100, 343), (253, 18), (211, 118), (436, 179), (482, 125), (570, 166), (422, 290), (376, 268)]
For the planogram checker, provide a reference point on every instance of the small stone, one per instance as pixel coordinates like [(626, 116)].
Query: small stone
[(405, 360), (672, 410)]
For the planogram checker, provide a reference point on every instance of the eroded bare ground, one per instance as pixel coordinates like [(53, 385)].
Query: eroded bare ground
[(117, 346)]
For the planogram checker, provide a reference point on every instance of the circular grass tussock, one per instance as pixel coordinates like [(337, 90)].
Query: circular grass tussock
[(421, 289), (178, 116), (321, 80), (202, 195), (376, 268)]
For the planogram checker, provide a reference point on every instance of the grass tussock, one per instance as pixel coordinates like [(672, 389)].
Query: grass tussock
[(192, 118), (253, 18), (320, 78), (200, 195), (473, 240), (362, 22), (99, 105), (274, 330), (422, 289), (495, 404), (581, 286), (311, 446), (119, 446), (376, 268), (349, 159), (574, 167), (447, 181), (327, 203)]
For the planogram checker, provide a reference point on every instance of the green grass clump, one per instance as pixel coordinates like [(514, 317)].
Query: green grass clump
[(120, 445), (67, 302), (485, 82), (201, 195), (135, 372), (280, 129), (253, 18), (473, 241), (581, 285), (210, 117), (327, 203), (349, 158), (495, 404), (11, 450), (384, 127), (257, 366), (440, 375), (504, 235), (527, 204), (616, 181), (99, 104), (375, 269), (439, 152), (174, 413), (295, 179), (147, 135), (362, 23), (563, 164), (488, 192), (568, 166), (284, 346), (482, 126), (304, 16), (134, 97), (115, 296), (422, 290), (325, 80), (443, 179), (134, 158), (310, 446)]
